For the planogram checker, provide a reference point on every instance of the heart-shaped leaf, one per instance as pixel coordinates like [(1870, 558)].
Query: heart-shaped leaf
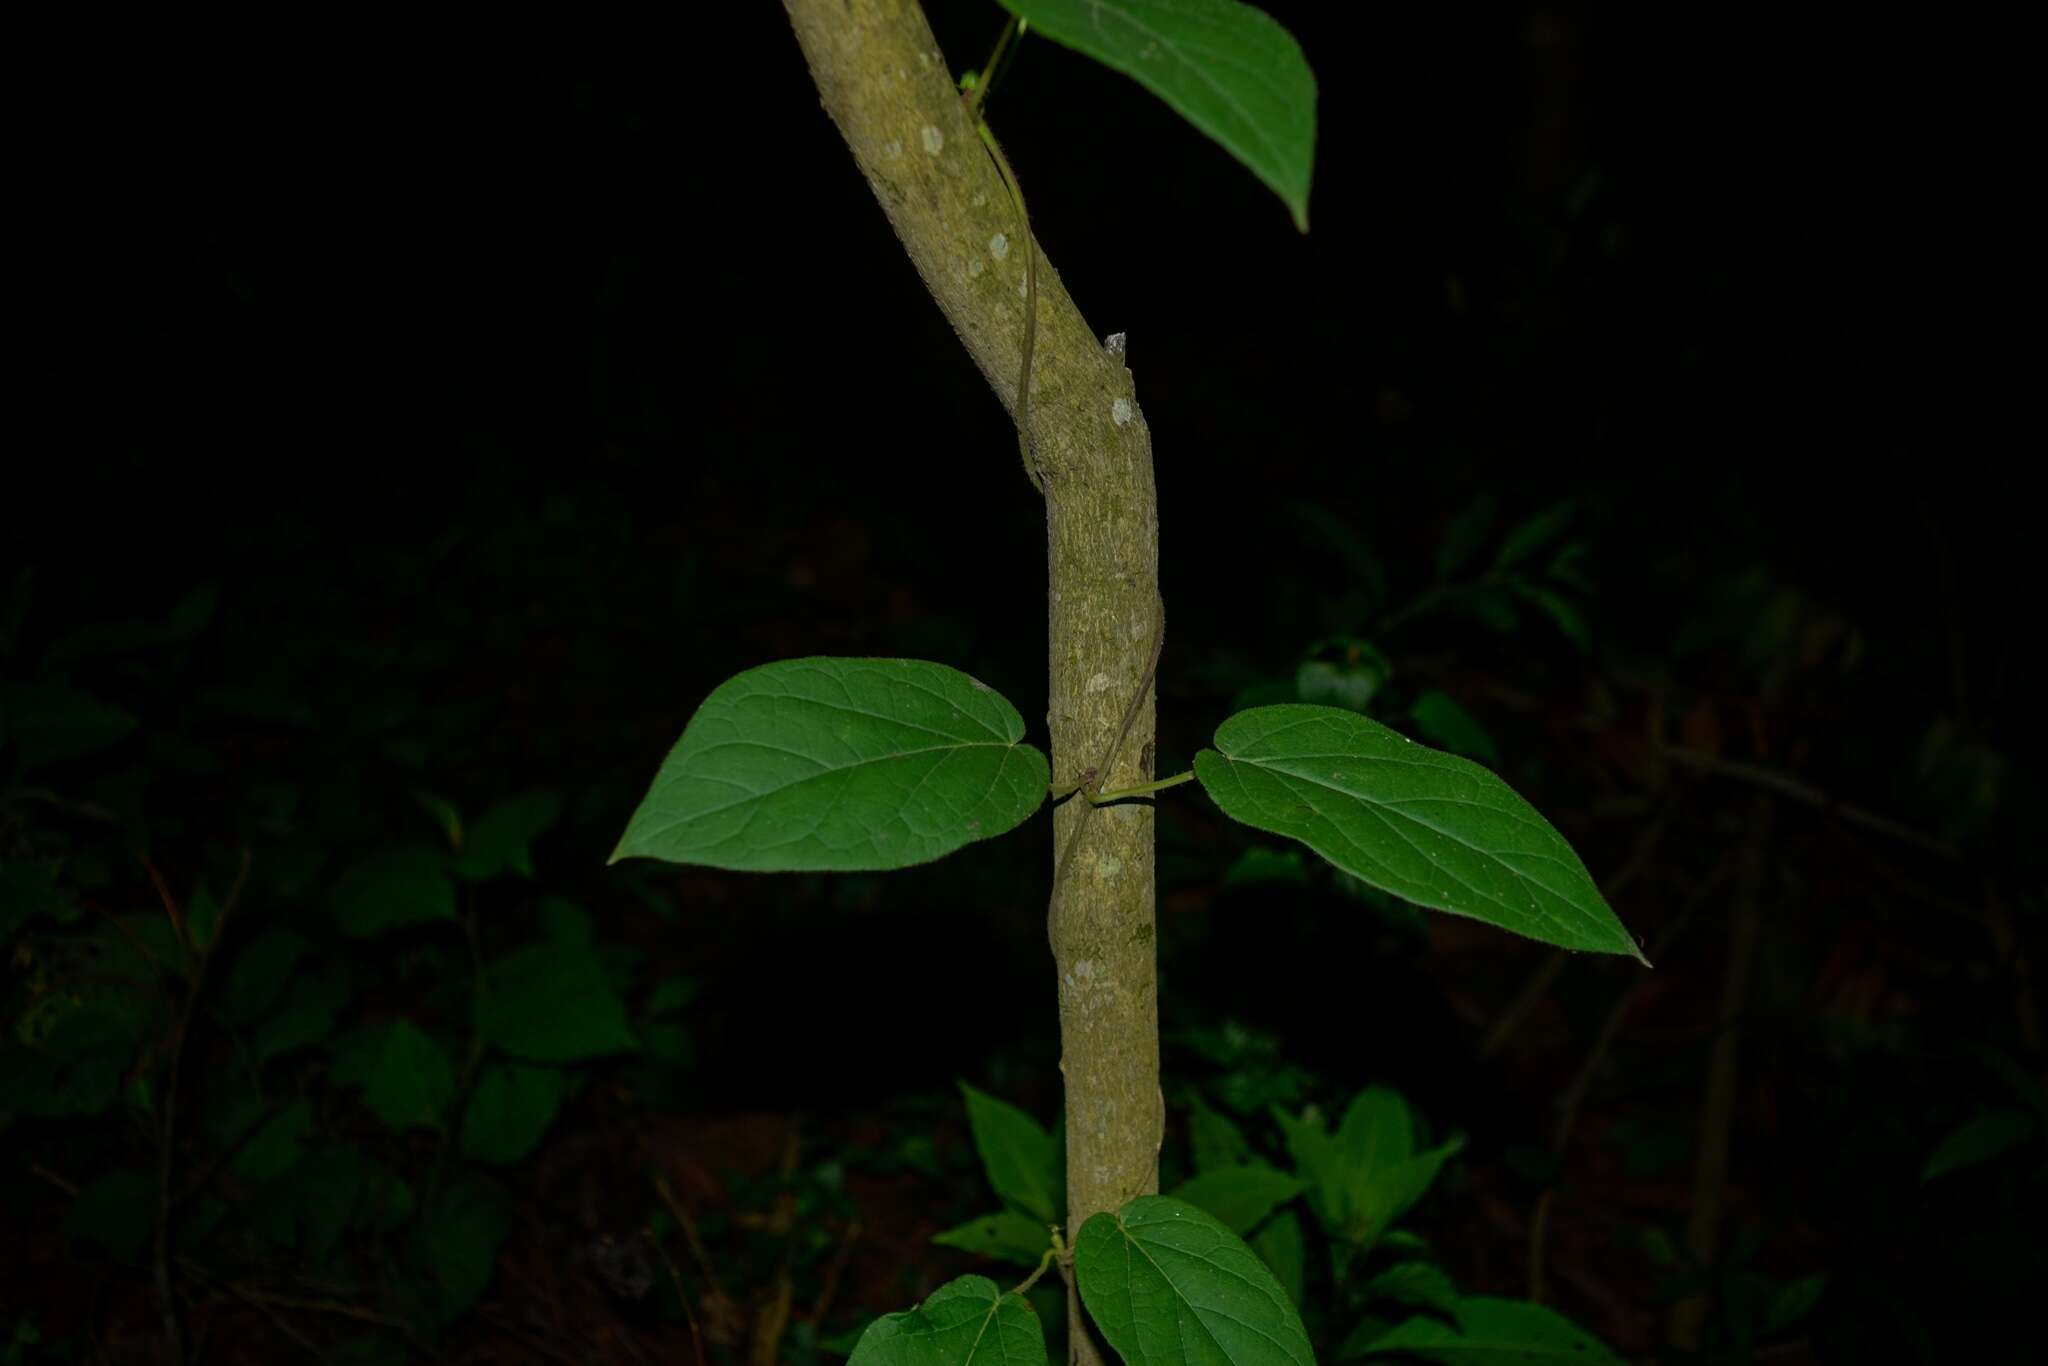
[(1229, 69), (1170, 1286), (1430, 827), (966, 1322), (839, 764)]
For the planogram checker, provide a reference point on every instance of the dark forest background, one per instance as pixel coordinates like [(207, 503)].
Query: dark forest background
[(418, 410)]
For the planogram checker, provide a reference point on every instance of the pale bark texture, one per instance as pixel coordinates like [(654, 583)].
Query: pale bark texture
[(890, 92)]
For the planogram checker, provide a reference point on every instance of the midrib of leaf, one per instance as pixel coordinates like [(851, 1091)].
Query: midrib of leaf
[(1377, 803), (995, 1305), (842, 770), (1387, 817), (799, 700)]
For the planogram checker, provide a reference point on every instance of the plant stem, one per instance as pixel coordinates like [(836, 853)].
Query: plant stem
[(884, 83)]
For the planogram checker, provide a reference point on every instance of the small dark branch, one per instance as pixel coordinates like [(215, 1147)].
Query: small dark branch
[(682, 1296), (722, 1306), (1784, 784), (91, 811), (170, 905)]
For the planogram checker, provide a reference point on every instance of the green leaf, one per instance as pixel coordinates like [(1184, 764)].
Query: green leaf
[(1422, 1284), (457, 1244), (1367, 1174), (1326, 682), (1532, 535), (1228, 69), (276, 1147), (671, 994), (501, 839), (307, 1015), (1171, 1286), (1978, 1140), (1283, 1247), (1442, 721), (394, 889), (49, 724), (1022, 1161), (1435, 829), (262, 969), (75, 1069), (29, 890), (445, 815), (116, 1212), (1239, 1197), (1006, 1234), (966, 1322), (202, 919), (342, 1189), (1217, 1141), (553, 1003), (1261, 866), (564, 920), (1493, 1332), (1463, 537), (510, 1111), (841, 765), (410, 1081), (1793, 1301), (1563, 613), (109, 638)]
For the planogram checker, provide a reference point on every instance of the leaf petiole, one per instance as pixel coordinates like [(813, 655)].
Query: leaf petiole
[(1143, 790)]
